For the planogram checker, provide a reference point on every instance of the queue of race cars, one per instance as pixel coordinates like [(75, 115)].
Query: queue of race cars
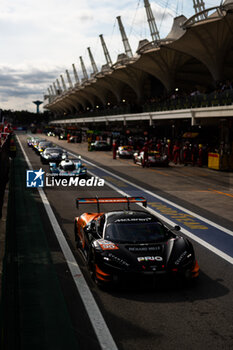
[(57, 159), (122, 245), (145, 157)]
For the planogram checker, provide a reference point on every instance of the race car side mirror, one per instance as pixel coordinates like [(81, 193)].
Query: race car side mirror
[(177, 228), (90, 227)]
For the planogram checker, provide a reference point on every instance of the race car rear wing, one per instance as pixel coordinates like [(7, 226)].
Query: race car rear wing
[(107, 200)]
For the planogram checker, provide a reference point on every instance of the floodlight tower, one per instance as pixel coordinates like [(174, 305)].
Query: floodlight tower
[(199, 6), (69, 79), (85, 76), (125, 40), (151, 20), (77, 82), (37, 103), (63, 83), (94, 67), (106, 53)]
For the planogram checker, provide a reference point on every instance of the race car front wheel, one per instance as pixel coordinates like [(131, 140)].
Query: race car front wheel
[(76, 237)]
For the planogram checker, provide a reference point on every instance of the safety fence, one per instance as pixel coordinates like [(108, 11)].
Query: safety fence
[(5, 153)]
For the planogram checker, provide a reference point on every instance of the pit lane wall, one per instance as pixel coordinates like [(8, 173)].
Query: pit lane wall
[(4, 167)]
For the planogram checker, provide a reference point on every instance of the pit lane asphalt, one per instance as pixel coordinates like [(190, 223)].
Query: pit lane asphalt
[(171, 317)]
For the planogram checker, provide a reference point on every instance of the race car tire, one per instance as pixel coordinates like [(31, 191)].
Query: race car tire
[(92, 269), (76, 237)]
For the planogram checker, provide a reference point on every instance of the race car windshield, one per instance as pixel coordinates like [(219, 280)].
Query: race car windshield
[(53, 150), (135, 232), (68, 167), (44, 144)]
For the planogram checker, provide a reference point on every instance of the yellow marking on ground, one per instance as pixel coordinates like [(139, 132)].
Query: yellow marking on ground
[(205, 191), (159, 172), (223, 193), (188, 220)]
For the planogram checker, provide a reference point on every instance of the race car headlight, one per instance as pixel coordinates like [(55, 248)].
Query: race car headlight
[(114, 260)]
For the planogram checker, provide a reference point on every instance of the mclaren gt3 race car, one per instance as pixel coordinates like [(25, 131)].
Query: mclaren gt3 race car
[(124, 245)]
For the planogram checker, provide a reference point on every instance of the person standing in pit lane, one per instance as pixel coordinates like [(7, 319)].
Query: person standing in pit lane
[(176, 153), (145, 150)]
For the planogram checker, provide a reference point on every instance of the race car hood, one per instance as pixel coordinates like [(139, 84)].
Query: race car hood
[(172, 253)]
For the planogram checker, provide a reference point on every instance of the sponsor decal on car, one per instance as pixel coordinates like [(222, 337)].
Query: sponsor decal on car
[(144, 249), (150, 258), (106, 245), (177, 262), (133, 220)]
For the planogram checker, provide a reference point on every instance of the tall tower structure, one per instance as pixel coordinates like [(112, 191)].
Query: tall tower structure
[(37, 103), (154, 32), (85, 76), (69, 79), (127, 47), (77, 82), (55, 89), (106, 53), (52, 90), (199, 6), (63, 83), (59, 86), (94, 66)]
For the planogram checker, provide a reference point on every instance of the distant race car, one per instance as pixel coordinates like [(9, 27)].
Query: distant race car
[(125, 152), (42, 145), (62, 136), (124, 245), (154, 158), (51, 133), (100, 146), (35, 143), (53, 154), (69, 168), (30, 140)]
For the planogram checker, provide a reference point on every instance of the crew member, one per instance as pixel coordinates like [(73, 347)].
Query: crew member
[(145, 155), (176, 153), (114, 149), (200, 155)]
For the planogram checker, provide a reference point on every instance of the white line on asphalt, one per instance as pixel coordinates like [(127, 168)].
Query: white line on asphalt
[(165, 219), (100, 327)]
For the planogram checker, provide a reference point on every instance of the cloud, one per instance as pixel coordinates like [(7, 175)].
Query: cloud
[(24, 84), (41, 39)]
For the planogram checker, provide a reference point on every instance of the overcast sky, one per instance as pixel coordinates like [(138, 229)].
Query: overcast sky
[(39, 40)]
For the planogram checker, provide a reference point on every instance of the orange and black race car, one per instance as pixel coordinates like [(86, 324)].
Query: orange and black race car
[(131, 244)]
